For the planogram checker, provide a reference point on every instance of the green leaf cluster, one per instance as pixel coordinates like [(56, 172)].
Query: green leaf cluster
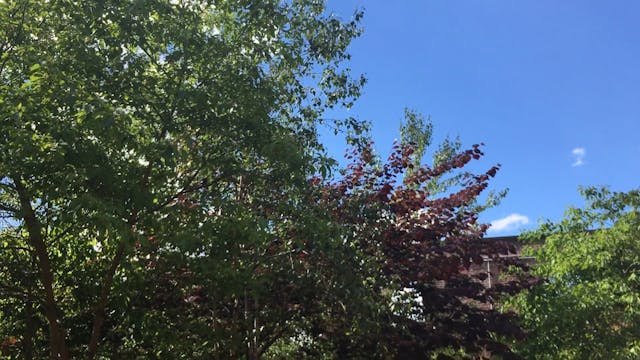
[(588, 305), (154, 157)]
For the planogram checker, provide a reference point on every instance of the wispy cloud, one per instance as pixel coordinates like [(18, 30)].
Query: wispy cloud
[(578, 156), (510, 222)]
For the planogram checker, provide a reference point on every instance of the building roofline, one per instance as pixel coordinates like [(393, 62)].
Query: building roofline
[(513, 238)]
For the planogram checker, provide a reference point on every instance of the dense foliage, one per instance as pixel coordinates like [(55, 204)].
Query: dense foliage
[(164, 194), (132, 128), (588, 307), (423, 247)]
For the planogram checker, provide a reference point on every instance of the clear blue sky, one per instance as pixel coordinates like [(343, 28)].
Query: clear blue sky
[(535, 80)]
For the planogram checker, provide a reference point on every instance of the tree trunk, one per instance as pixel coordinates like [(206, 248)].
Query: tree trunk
[(96, 332), (34, 228), (29, 331)]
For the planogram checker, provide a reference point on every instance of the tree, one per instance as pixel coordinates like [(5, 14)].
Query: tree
[(415, 249), (165, 193), (588, 305), (138, 130), (417, 131)]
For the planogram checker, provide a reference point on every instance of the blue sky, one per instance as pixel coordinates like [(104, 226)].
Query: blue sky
[(551, 87)]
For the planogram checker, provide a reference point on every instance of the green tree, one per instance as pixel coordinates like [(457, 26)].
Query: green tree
[(417, 130), (588, 305), (137, 134)]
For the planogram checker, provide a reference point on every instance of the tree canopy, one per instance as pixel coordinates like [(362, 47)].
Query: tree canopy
[(165, 194), (129, 123), (588, 305)]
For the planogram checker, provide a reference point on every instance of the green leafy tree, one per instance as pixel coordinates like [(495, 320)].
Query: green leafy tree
[(588, 305), (418, 131), (153, 130)]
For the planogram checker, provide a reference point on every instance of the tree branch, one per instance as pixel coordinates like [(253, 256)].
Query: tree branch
[(185, 190), (22, 248), (101, 305), (9, 209), (107, 281), (59, 348)]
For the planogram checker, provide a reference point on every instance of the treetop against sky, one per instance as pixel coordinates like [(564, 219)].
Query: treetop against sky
[(551, 88)]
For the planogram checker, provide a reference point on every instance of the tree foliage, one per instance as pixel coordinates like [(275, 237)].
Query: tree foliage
[(419, 248), (417, 131), (587, 307), (132, 128), (164, 193)]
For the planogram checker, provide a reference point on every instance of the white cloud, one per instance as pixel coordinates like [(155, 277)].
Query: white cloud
[(510, 222), (578, 155)]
